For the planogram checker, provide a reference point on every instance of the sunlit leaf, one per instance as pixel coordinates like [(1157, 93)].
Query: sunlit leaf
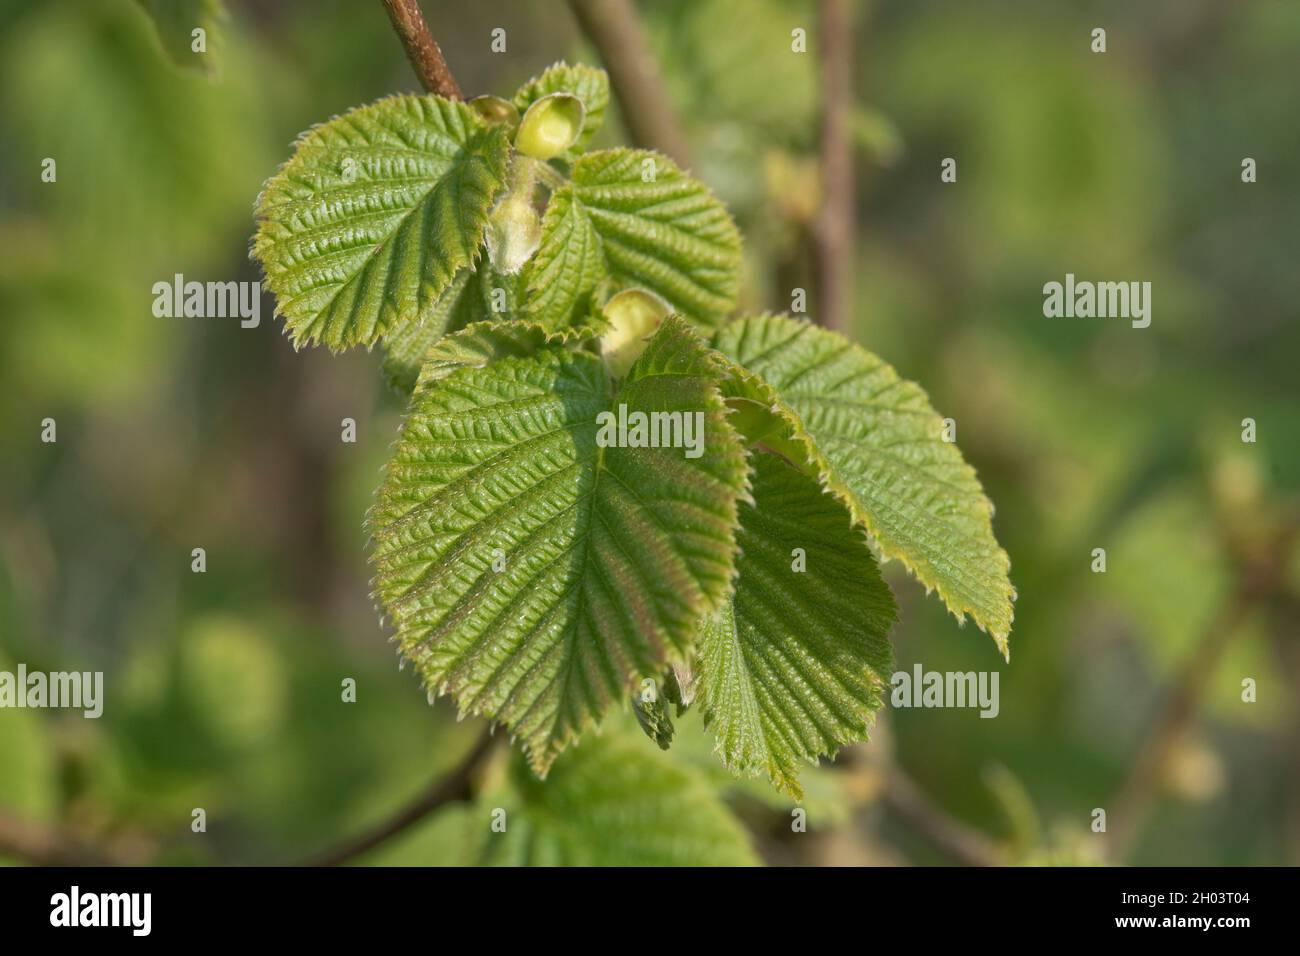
[(875, 442), (633, 217), (375, 214), (534, 575)]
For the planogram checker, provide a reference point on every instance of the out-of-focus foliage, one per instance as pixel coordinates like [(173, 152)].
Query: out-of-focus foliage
[(224, 689), (189, 31)]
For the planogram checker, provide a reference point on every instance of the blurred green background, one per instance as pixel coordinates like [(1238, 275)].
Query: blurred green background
[(223, 688)]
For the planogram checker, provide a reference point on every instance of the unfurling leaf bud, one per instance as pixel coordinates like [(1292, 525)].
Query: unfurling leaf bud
[(493, 110), (634, 315), (514, 231), (654, 719), (550, 126), (514, 228)]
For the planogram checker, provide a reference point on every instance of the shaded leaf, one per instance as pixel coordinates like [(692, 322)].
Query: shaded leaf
[(793, 665), (615, 802), (875, 442), (408, 343), (482, 343), (174, 23)]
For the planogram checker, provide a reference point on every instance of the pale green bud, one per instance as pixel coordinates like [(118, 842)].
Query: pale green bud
[(550, 126), (634, 316)]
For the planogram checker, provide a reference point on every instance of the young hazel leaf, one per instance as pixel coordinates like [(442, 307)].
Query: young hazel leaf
[(588, 84), (567, 266), (530, 572), (550, 127), (792, 666), (875, 442), (375, 214), (482, 343), (634, 217)]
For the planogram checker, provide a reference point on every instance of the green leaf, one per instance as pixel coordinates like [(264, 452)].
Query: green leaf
[(586, 83), (610, 554), (409, 343), (830, 792), (615, 802), (634, 217), (567, 266), (483, 343), (875, 443), (375, 214), (793, 666), (174, 23)]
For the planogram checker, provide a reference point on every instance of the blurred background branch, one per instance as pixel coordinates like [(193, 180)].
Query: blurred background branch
[(1260, 575), (957, 841), (834, 231), (614, 29), (450, 787), (39, 845)]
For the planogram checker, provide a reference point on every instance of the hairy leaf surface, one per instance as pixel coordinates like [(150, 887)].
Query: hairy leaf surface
[(409, 342), (375, 214), (876, 443), (793, 665), (633, 217), (605, 557), (482, 343)]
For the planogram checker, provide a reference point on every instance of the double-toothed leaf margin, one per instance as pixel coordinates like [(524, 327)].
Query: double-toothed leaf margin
[(875, 442), (634, 218), (793, 665), (534, 575), (375, 214)]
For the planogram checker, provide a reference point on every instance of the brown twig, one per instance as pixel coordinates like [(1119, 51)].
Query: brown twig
[(833, 233), (449, 788), (40, 845), (954, 839), (614, 30), (1257, 579), (1286, 641), (421, 48)]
